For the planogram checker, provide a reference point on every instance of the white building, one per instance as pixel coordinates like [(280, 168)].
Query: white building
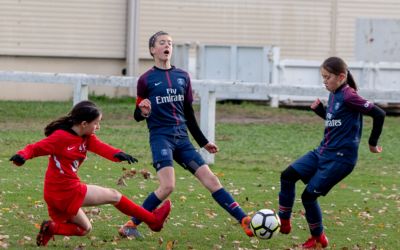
[(104, 37)]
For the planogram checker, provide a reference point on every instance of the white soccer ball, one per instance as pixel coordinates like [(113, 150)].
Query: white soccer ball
[(265, 224)]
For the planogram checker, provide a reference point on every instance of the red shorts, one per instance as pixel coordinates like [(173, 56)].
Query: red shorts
[(65, 205)]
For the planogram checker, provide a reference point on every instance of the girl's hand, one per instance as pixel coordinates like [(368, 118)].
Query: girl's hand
[(315, 104), (17, 160), (375, 149), (145, 107), (211, 148), (122, 156)]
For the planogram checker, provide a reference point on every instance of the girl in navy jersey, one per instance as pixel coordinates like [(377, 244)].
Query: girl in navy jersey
[(336, 156), (164, 100), (67, 141)]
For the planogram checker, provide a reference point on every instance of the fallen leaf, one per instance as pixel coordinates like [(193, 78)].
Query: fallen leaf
[(171, 244), (145, 173), (160, 241), (121, 182)]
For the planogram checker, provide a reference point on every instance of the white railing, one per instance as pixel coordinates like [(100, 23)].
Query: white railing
[(207, 90)]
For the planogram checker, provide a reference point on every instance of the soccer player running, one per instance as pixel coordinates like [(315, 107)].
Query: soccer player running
[(67, 141), (336, 156), (164, 99)]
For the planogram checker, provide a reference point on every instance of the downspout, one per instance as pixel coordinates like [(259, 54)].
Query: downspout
[(132, 42)]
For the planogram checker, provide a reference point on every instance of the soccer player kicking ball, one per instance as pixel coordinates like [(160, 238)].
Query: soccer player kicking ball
[(67, 141), (164, 99), (336, 156)]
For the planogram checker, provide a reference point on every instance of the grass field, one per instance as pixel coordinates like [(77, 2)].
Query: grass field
[(256, 143)]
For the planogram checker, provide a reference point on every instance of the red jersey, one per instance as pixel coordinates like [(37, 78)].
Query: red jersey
[(66, 151)]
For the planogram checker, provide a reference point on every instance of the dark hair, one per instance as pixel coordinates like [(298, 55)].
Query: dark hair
[(153, 38), (82, 111), (336, 66)]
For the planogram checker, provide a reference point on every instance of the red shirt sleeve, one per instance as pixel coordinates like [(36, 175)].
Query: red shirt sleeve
[(47, 146), (96, 146)]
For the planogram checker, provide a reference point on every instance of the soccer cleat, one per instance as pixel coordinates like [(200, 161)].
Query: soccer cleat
[(246, 226), (316, 242), (161, 215), (130, 230), (45, 233), (286, 226)]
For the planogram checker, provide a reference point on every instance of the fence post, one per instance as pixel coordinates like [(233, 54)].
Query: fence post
[(81, 91), (207, 119)]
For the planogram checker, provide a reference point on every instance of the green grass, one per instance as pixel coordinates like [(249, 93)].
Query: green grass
[(361, 211)]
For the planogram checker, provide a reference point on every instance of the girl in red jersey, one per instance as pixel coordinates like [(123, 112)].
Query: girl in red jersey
[(67, 141)]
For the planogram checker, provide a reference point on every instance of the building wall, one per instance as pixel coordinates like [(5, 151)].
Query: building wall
[(89, 36), (348, 11), (300, 28), (74, 28)]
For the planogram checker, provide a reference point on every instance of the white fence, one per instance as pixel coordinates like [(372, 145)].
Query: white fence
[(296, 81)]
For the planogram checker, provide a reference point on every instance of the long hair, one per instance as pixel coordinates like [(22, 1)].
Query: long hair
[(82, 111), (153, 38), (336, 66)]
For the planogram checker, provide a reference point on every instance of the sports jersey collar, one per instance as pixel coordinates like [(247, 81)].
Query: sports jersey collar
[(69, 130), (172, 67)]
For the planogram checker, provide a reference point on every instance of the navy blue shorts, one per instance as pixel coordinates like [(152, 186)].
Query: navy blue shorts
[(167, 148), (319, 173)]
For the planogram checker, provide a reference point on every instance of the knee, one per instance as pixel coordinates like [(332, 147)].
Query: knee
[(87, 230), (167, 189), (115, 196), (307, 196), (290, 174), (215, 184)]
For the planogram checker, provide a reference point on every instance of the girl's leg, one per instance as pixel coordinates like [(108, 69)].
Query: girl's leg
[(97, 195), (79, 225), (220, 195), (289, 177), (166, 177), (313, 212), (314, 220), (223, 198)]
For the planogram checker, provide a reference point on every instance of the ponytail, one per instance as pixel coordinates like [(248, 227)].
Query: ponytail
[(83, 111), (350, 81), (62, 122)]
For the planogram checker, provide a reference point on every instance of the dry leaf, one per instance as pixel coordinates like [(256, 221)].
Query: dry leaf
[(121, 182), (182, 198), (145, 173), (171, 244), (160, 241)]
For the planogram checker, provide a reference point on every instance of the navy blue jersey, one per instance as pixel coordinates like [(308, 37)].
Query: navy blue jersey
[(343, 124), (167, 91)]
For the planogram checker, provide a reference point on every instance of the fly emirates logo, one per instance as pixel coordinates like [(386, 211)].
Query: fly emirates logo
[(329, 122), (171, 96)]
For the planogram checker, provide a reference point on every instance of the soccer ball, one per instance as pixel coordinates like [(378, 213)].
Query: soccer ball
[(265, 224)]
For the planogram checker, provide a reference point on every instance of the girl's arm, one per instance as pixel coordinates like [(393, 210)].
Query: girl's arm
[(359, 104), (107, 151), (46, 146), (193, 126), (318, 108), (378, 116)]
